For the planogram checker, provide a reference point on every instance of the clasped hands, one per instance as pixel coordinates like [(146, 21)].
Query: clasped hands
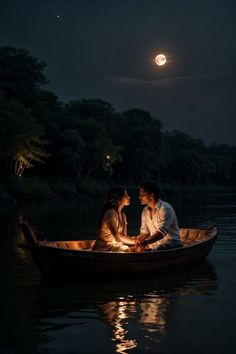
[(138, 247)]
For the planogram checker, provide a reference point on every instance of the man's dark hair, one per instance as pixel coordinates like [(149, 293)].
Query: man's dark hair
[(151, 187)]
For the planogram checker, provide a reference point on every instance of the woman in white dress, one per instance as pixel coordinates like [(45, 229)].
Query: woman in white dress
[(112, 230)]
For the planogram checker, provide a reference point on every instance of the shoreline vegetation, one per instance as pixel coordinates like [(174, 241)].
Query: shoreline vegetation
[(37, 189), (51, 149)]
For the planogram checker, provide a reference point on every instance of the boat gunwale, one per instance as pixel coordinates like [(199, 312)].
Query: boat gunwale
[(45, 244)]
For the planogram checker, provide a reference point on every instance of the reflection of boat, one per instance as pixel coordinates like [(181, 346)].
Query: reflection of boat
[(75, 258), (135, 313)]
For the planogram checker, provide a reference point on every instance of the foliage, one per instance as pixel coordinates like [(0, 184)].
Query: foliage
[(141, 140), (29, 188), (20, 138), (96, 150), (20, 75), (88, 144)]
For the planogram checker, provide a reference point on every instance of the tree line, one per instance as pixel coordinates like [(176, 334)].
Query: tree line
[(88, 138)]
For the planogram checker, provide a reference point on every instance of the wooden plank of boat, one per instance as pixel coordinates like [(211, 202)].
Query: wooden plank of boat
[(75, 258)]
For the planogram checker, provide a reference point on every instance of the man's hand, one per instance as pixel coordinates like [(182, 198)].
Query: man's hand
[(140, 238)]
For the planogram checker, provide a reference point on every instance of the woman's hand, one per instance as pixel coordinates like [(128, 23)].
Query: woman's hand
[(138, 247)]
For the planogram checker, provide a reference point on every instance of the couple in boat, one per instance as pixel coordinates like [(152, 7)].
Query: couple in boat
[(159, 226)]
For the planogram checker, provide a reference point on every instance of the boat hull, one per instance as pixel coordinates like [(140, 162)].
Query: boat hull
[(73, 263)]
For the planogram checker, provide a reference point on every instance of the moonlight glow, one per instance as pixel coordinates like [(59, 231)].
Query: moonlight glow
[(160, 59)]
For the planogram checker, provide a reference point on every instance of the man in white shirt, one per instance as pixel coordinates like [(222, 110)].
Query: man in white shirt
[(159, 225)]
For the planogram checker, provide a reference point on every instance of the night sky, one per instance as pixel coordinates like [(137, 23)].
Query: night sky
[(106, 49)]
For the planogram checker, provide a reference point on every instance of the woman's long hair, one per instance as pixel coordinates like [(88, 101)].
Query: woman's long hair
[(113, 198)]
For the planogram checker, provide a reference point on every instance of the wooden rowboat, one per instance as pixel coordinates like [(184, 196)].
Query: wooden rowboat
[(75, 258)]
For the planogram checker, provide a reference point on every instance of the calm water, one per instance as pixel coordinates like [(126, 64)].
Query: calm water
[(190, 311)]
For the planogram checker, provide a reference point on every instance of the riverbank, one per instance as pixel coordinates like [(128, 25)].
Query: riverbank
[(34, 188)]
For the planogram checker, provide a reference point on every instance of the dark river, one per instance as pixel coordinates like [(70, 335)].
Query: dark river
[(188, 311)]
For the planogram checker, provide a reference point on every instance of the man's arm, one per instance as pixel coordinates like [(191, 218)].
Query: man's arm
[(144, 230), (152, 238), (166, 218)]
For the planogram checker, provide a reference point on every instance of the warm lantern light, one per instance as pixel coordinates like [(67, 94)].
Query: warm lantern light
[(108, 157)]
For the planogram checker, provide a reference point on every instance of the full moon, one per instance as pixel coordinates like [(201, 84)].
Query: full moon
[(160, 59)]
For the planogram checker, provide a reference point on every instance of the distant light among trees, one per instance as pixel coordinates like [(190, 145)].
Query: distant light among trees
[(89, 138)]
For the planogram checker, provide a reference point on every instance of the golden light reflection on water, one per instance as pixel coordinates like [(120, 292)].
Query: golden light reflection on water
[(154, 312), (119, 313), (116, 312), (150, 311)]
